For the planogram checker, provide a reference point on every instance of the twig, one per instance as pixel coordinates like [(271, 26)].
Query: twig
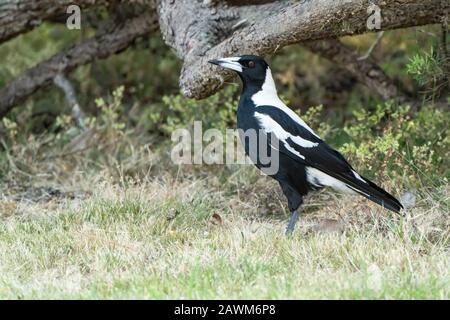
[(62, 82), (239, 24), (373, 46)]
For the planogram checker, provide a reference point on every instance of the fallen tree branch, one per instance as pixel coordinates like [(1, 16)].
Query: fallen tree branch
[(202, 30), (366, 71), (19, 16), (62, 82), (113, 39), (193, 27), (311, 20)]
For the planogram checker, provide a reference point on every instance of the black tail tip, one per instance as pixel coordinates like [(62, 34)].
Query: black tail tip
[(393, 206)]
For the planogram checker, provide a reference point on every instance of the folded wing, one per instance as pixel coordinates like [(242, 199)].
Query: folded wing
[(324, 165)]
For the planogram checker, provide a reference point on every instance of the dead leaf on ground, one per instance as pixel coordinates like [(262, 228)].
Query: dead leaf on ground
[(216, 219)]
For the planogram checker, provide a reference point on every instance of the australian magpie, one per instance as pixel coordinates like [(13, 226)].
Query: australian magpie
[(306, 162)]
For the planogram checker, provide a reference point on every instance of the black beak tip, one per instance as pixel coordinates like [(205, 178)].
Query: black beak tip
[(214, 61)]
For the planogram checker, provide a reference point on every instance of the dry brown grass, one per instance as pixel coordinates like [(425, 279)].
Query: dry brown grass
[(188, 233)]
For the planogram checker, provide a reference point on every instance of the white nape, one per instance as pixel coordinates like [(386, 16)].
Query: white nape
[(268, 96)]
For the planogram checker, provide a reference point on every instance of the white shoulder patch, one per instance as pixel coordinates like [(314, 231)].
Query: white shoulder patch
[(268, 96), (271, 126)]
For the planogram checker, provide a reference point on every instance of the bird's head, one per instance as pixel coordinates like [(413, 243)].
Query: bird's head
[(251, 69)]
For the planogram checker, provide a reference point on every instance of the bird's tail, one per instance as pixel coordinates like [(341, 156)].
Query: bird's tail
[(373, 192)]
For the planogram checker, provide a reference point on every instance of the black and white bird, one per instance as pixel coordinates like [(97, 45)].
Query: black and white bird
[(306, 162)]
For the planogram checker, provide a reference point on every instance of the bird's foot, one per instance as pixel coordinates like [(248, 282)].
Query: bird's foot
[(292, 221)]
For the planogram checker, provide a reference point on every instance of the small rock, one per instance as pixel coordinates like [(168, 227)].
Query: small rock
[(408, 199), (172, 214)]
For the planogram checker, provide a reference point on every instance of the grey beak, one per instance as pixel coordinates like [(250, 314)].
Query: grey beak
[(231, 63)]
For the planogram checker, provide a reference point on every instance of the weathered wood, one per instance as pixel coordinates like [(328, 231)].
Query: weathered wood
[(203, 30), (293, 23), (19, 16), (113, 39), (194, 27)]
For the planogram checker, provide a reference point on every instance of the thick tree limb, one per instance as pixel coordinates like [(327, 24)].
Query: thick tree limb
[(194, 27), (311, 20), (366, 71), (113, 39), (202, 30)]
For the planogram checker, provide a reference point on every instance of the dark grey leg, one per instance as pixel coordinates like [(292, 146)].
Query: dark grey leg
[(292, 221), (294, 202)]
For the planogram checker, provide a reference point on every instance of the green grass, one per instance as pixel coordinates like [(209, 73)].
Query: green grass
[(127, 224), (126, 242)]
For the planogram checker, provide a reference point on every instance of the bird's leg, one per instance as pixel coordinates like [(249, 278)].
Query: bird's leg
[(294, 203), (292, 221)]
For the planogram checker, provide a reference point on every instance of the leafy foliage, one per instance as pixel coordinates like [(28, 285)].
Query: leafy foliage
[(217, 111), (425, 66), (147, 106), (428, 70), (392, 140), (104, 213)]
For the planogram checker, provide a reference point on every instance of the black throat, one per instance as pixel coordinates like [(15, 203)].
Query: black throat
[(249, 88)]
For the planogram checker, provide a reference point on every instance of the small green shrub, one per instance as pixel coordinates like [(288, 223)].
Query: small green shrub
[(398, 143), (427, 68), (177, 111), (314, 118)]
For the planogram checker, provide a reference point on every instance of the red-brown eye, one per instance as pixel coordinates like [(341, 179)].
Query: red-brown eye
[(251, 64)]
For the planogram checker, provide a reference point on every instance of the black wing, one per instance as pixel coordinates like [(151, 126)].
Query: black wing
[(314, 152)]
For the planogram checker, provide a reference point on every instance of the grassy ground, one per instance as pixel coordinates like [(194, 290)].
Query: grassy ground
[(216, 237), (104, 214)]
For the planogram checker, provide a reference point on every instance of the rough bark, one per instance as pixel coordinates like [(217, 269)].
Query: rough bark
[(194, 27), (291, 23), (19, 16), (202, 30), (365, 70), (113, 39)]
